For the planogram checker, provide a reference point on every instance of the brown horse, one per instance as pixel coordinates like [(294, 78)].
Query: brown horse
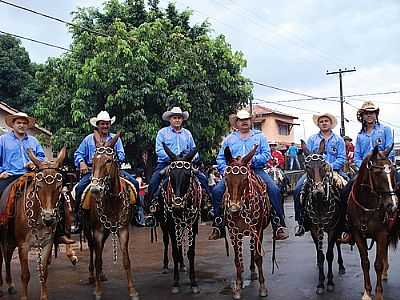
[(34, 222), (247, 213), (109, 213), (373, 212)]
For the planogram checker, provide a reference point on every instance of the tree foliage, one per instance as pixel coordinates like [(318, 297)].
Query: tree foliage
[(150, 60), (18, 86)]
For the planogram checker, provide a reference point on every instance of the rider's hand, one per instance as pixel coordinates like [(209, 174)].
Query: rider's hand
[(4, 175), (83, 167), (30, 165)]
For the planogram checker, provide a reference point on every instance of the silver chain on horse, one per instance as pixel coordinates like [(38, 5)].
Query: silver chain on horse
[(33, 224)]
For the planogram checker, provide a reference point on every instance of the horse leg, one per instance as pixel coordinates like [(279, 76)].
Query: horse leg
[(25, 275), (342, 269), (320, 261), (182, 267), (2, 251), (329, 257), (98, 240), (8, 257), (175, 255), (263, 291), (363, 250), (385, 275), (71, 255), (124, 243), (91, 245), (46, 253), (253, 274), (166, 244), (192, 275), (103, 277), (381, 253), (236, 289)]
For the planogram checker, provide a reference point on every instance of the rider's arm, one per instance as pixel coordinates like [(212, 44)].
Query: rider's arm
[(38, 150), (119, 148), (358, 157), (79, 154), (389, 142), (1, 153), (341, 156), (192, 146), (161, 154), (264, 153), (221, 162)]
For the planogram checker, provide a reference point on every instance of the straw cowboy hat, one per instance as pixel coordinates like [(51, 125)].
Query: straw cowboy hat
[(367, 106), (20, 115), (175, 111), (243, 114), (327, 115), (347, 138), (102, 116), (273, 143)]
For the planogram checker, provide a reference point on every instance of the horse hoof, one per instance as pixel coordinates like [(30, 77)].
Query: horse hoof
[(175, 290), (165, 271), (195, 290), (330, 288), (183, 269), (342, 271), (253, 276), (12, 290), (91, 280), (236, 295), (385, 276), (366, 296), (74, 260), (97, 297), (320, 291), (134, 296), (263, 292), (103, 277)]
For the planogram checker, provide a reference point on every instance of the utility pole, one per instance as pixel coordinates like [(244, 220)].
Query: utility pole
[(340, 71)]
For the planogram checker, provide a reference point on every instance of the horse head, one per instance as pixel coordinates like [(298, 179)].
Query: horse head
[(378, 171), (104, 168), (48, 185), (237, 178), (317, 170), (180, 173)]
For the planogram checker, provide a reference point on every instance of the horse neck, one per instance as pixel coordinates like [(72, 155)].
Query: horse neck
[(21, 219), (115, 180), (362, 179)]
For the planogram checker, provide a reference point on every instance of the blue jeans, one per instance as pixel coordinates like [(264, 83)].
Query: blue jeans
[(273, 190), (298, 209), (293, 159)]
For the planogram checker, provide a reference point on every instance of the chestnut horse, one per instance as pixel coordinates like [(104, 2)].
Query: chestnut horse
[(36, 213), (323, 212), (373, 213), (109, 213), (182, 204), (247, 212)]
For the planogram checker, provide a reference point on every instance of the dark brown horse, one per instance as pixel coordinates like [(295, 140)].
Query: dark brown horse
[(182, 204), (323, 212), (36, 213), (373, 213), (247, 213), (108, 200)]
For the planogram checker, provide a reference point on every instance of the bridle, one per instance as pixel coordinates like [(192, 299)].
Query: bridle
[(237, 170), (326, 182), (102, 182)]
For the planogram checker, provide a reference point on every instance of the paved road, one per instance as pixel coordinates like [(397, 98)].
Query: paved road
[(295, 279)]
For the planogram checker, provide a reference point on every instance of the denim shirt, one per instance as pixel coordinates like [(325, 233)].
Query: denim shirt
[(241, 147), (87, 148), (177, 141), (335, 149), (14, 155), (380, 135)]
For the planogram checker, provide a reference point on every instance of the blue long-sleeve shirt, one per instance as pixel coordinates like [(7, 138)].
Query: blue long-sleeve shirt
[(14, 153), (335, 149), (380, 135), (87, 148), (177, 142), (241, 147)]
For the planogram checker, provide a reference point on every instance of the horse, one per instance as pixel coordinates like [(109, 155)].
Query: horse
[(247, 212), (182, 204), (108, 213), (373, 213), (323, 212), (33, 220)]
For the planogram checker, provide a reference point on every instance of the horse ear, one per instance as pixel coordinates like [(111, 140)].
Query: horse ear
[(321, 148), (305, 149), (61, 157), (250, 155), (170, 154), (389, 149), (189, 157), (33, 158), (375, 151), (97, 139), (228, 154), (113, 140)]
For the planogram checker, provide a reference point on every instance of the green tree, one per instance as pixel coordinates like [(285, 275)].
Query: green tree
[(149, 61), (18, 86)]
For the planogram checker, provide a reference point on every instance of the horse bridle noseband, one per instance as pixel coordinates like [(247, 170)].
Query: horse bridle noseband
[(327, 178), (178, 165), (102, 181)]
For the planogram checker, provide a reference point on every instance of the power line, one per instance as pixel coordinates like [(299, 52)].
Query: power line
[(282, 90), (52, 18), (35, 41)]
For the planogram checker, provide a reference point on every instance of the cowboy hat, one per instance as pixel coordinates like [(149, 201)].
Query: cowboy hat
[(102, 116), (243, 114), (175, 111), (367, 106), (347, 138), (272, 143), (20, 115), (327, 115)]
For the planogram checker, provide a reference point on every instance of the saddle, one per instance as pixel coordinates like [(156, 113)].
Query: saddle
[(126, 186), (10, 194)]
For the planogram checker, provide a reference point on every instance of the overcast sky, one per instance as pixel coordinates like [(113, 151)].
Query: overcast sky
[(287, 44)]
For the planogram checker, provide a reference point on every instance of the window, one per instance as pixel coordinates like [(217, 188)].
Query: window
[(257, 126), (283, 129)]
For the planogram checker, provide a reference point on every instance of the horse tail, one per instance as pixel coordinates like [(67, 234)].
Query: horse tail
[(394, 236)]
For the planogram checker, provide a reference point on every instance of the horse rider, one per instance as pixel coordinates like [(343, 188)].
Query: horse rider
[(241, 142), (335, 156), (14, 159), (372, 133), (277, 158), (349, 149), (83, 158)]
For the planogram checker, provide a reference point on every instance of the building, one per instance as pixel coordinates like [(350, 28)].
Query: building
[(42, 134), (277, 126)]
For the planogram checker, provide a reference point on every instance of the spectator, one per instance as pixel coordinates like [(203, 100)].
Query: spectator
[(349, 149), (292, 155), (139, 216), (277, 157)]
